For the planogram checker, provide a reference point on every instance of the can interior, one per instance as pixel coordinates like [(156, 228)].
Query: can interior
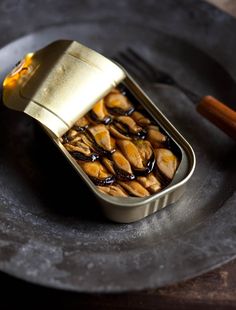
[(185, 167)]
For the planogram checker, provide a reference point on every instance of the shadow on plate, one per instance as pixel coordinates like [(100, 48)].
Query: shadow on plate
[(37, 167)]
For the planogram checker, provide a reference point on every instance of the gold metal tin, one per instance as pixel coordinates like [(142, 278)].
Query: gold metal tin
[(59, 83), (118, 209)]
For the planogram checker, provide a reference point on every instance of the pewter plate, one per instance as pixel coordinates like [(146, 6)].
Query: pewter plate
[(52, 232)]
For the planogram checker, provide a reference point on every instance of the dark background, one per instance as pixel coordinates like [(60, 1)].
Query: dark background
[(214, 290)]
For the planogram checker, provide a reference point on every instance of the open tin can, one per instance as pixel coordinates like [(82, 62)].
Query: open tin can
[(59, 84)]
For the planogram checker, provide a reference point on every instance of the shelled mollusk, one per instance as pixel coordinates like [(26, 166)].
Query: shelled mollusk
[(121, 148)]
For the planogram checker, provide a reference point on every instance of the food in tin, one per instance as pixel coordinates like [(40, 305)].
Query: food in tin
[(121, 148)]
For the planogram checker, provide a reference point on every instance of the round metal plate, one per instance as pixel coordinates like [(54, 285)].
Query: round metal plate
[(52, 231)]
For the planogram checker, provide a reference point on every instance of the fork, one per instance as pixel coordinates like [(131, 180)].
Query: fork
[(211, 108)]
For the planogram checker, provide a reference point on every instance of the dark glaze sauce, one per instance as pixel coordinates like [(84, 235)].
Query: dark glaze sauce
[(114, 173)]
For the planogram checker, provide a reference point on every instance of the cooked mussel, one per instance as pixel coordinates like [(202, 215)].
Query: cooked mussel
[(117, 133), (81, 151), (134, 188), (118, 104), (145, 149), (139, 154), (147, 169), (131, 152), (102, 137), (146, 152), (121, 149), (154, 135), (98, 173), (113, 190), (167, 162), (119, 166), (122, 167), (150, 182), (99, 114), (81, 124), (140, 119), (98, 138), (127, 127), (69, 136)]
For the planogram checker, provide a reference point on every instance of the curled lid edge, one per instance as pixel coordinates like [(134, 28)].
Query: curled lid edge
[(59, 83)]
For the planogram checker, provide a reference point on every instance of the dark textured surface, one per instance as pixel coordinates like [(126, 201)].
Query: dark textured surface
[(212, 291), (47, 235)]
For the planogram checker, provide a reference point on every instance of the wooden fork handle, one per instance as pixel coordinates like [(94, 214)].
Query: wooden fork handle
[(219, 114)]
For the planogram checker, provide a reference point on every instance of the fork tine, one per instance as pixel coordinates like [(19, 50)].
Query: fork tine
[(144, 71), (157, 74), (138, 70), (141, 61), (128, 65), (119, 61), (124, 64)]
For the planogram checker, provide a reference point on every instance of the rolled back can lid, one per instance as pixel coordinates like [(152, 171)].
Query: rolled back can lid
[(60, 83)]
